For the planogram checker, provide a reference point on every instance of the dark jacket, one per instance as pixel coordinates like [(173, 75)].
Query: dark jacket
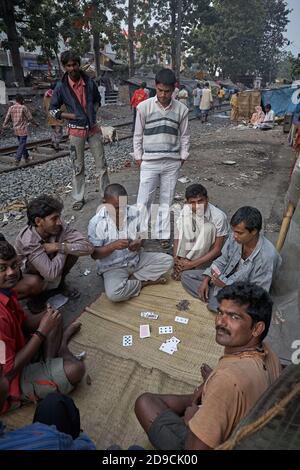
[(63, 94)]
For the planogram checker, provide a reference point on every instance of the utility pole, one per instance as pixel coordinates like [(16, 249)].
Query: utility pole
[(178, 39), (96, 39), (131, 8)]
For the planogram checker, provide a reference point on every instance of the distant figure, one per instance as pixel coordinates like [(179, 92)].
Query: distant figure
[(234, 103), (206, 102), (138, 96), (197, 93), (268, 122), (102, 89), (183, 95), (20, 116), (257, 117), (55, 124), (220, 96), (176, 91)]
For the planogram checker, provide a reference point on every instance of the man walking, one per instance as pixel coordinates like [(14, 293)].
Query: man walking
[(161, 146), (80, 95), (206, 102), (20, 116)]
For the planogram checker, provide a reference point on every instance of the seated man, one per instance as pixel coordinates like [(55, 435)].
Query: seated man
[(56, 425), (49, 247), (201, 230), (58, 369), (115, 233), (246, 256), (268, 122), (206, 418)]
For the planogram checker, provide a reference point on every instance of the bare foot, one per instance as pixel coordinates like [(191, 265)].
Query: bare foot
[(161, 280), (70, 331), (205, 371)]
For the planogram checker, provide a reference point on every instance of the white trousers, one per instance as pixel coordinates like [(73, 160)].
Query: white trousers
[(154, 173)]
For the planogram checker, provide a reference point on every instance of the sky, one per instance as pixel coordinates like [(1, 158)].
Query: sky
[(294, 26)]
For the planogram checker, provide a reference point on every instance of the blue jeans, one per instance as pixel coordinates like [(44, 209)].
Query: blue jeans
[(22, 150)]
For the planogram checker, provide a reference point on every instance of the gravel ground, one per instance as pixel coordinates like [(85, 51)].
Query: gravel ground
[(56, 175)]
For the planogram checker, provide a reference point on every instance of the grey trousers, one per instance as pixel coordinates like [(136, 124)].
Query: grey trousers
[(77, 145), (191, 281), (151, 266)]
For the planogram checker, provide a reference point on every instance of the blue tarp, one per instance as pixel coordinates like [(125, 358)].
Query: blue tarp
[(283, 100)]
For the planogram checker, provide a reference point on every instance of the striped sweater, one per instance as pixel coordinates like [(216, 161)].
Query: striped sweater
[(163, 129)]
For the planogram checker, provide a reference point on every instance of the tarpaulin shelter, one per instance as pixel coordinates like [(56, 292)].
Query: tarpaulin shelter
[(283, 99)]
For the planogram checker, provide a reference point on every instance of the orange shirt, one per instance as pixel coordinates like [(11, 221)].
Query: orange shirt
[(79, 90), (138, 96)]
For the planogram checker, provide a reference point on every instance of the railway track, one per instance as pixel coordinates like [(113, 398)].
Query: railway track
[(42, 152)]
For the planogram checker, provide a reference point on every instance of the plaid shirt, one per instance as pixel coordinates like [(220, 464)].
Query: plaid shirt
[(20, 116)]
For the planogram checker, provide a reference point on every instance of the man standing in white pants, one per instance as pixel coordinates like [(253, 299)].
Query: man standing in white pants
[(161, 146)]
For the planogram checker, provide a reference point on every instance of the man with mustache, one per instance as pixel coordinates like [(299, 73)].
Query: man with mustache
[(27, 336), (206, 418)]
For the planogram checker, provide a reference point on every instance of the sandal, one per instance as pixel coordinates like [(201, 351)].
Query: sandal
[(70, 292), (78, 205)]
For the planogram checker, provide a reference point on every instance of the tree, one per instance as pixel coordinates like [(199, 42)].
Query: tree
[(131, 11), (9, 26), (295, 72)]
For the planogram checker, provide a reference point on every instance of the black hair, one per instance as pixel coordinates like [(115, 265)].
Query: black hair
[(114, 190), (206, 84), (251, 217), (19, 98), (195, 190), (7, 251), (66, 56), (143, 85), (165, 77), (257, 301), (42, 206), (268, 106)]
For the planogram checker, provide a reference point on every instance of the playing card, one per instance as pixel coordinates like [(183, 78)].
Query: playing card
[(165, 330), (167, 348), (215, 270), (173, 340), (127, 340), (144, 331), (2, 353), (150, 315), (182, 320)]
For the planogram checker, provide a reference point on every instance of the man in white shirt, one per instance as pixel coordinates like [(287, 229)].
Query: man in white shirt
[(202, 230), (268, 122), (116, 235), (197, 93), (206, 102)]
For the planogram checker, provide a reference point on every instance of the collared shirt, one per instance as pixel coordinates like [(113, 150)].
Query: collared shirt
[(79, 90), (38, 436), (219, 219), (270, 116), (29, 245), (230, 391), (102, 231), (259, 268), (20, 116), (140, 124), (12, 318)]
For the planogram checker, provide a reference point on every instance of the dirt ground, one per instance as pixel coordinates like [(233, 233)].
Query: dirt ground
[(259, 177)]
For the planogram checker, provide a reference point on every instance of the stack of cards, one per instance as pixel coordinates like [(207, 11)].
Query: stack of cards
[(144, 331), (170, 346), (150, 315)]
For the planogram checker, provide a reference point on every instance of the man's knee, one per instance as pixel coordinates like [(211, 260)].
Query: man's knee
[(115, 296), (185, 278), (74, 371), (168, 261), (142, 403)]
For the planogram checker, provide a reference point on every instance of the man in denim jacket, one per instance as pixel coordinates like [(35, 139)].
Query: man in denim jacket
[(247, 256)]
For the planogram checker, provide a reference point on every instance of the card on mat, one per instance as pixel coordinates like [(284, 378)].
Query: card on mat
[(150, 315), (2, 353), (167, 348), (165, 330), (127, 340), (182, 320), (173, 340), (144, 331)]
